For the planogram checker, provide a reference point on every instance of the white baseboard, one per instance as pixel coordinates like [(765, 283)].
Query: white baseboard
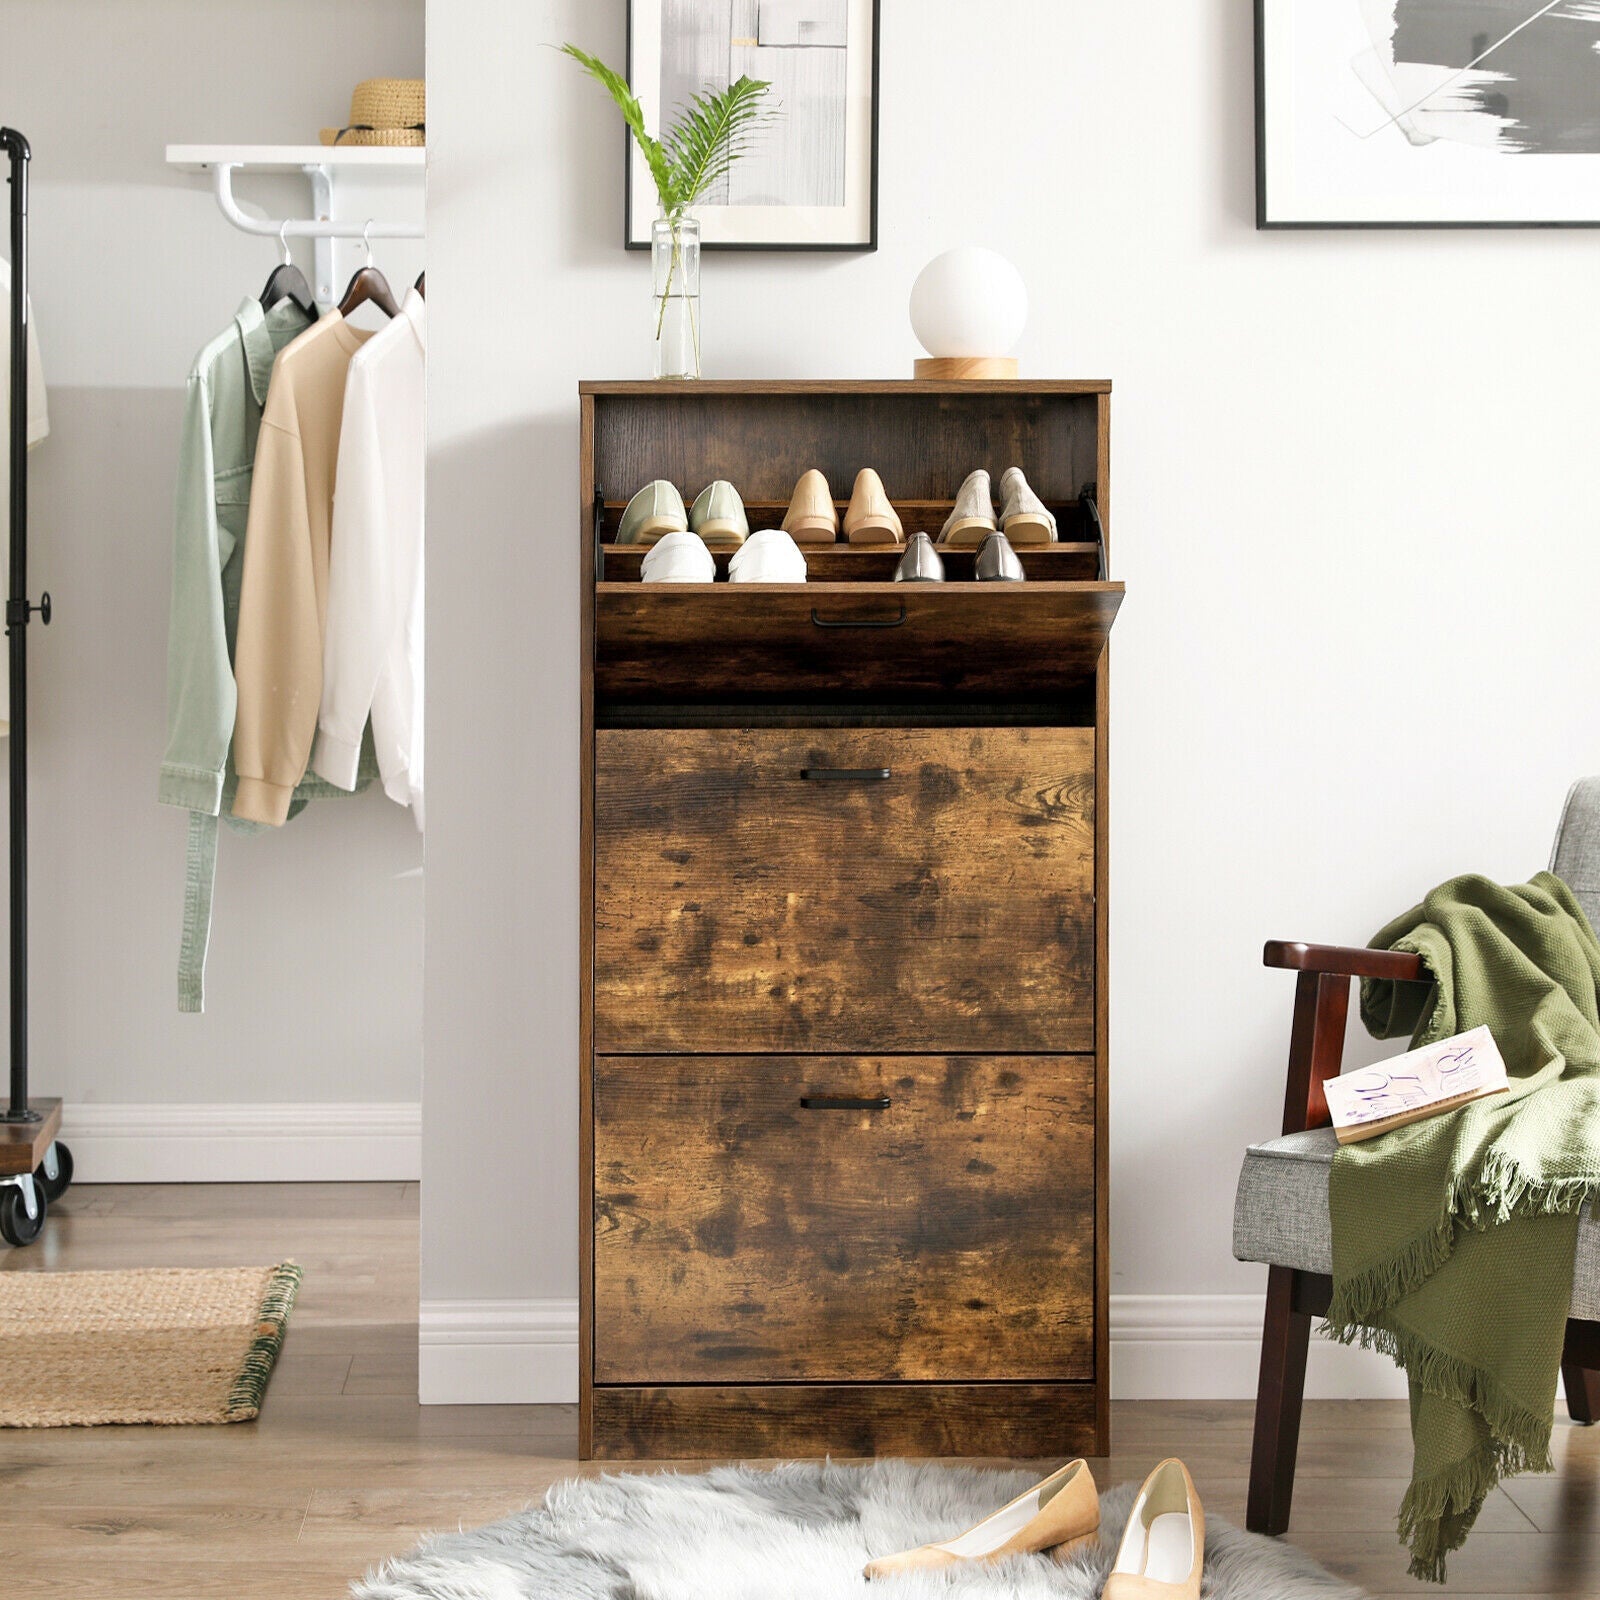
[(1163, 1347), (191, 1143), (1208, 1347), (498, 1352)]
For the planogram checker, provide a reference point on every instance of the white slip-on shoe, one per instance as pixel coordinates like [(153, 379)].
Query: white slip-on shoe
[(678, 557), (768, 556), (1024, 517)]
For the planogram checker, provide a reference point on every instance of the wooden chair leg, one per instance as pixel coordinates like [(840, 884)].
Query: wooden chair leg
[(1280, 1391), (1583, 1392)]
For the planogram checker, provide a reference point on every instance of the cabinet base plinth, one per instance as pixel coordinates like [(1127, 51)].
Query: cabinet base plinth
[(699, 1422)]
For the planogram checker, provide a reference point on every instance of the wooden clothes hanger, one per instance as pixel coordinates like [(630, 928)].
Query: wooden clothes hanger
[(369, 287), (287, 282)]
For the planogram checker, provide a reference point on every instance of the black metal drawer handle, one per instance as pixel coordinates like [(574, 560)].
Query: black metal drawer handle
[(846, 774), (845, 1102), (820, 621)]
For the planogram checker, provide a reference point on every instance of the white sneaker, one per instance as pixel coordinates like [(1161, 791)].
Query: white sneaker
[(678, 557), (769, 556)]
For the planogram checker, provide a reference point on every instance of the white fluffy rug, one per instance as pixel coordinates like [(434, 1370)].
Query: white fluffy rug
[(796, 1532)]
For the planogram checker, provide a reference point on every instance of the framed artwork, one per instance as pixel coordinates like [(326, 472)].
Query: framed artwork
[(812, 182), (1427, 114)]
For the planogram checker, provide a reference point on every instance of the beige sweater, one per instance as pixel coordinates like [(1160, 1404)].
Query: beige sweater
[(283, 599)]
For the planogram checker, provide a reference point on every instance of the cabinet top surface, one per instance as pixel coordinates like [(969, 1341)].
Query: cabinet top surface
[(668, 389)]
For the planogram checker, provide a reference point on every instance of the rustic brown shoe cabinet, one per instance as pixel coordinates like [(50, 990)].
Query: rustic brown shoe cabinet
[(843, 1038)]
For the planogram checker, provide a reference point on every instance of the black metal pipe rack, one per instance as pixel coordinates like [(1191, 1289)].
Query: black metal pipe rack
[(34, 1167)]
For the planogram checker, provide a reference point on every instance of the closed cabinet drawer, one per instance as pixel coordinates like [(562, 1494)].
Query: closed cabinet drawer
[(844, 889), (940, 1229)]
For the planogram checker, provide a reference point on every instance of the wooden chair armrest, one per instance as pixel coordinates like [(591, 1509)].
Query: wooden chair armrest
[(1321, 1006), (1347, 961)]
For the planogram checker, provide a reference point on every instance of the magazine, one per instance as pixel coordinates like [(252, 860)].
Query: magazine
[(1421, 1083)]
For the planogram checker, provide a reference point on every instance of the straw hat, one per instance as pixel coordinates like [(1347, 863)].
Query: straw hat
[(383, 111)]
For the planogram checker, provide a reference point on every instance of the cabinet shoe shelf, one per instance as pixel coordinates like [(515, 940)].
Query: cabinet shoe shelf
[(1064, 562), (1073, 520), (674, 642)]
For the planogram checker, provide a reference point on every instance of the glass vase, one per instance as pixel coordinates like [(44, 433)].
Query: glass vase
[(675, 302)]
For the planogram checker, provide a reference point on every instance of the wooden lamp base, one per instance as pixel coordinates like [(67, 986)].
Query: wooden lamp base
[(959, 368)]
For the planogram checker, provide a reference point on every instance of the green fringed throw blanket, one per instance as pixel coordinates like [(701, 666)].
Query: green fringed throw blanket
[(1453, 1238)]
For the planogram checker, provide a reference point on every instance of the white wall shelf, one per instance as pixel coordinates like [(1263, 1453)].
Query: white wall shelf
[(292, 157), (321, 164)]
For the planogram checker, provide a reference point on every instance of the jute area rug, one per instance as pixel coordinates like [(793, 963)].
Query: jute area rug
[(152, 1345), (798, 1532)]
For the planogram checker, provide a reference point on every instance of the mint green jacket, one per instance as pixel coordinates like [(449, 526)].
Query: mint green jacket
[(221, 419), (216, 455)]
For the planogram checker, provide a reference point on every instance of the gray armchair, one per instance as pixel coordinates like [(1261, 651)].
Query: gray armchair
[(1280, 1213)]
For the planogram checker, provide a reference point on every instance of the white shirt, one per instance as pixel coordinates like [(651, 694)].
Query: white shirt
[(372, 643), (38, 427)]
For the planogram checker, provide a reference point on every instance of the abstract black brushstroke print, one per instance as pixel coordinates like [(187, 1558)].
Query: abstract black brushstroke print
[(1540, 85)]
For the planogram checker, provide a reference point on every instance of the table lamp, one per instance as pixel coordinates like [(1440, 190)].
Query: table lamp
[(968, 309)]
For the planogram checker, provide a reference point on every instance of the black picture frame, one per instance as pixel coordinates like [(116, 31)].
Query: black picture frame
[(1266, 223), (840, 247)]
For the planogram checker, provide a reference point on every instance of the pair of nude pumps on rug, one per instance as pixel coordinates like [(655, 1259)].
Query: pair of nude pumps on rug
[(1161, 1555), (682, 541)]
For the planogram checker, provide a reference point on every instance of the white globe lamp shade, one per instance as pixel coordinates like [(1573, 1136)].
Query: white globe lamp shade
[(968, 309)]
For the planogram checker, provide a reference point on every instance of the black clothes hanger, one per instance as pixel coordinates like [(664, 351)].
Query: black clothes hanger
[(288, 282), (369, 286), (422, 284)]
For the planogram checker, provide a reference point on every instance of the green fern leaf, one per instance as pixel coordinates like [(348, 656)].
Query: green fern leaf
[(711, 133), (655, 155)]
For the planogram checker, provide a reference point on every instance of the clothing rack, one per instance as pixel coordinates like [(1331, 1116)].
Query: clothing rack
[(34, 1167), (325, 166), (301, 227)]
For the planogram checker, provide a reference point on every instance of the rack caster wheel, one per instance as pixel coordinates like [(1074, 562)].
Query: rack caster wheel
[(55, 1171), (22, 1209)]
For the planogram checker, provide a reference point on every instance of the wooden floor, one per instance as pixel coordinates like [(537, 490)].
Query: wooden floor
[(344, 1467)]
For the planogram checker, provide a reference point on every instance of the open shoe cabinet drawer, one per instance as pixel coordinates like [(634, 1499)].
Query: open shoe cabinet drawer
[(843, 1031), (869, 639), (850, 634)]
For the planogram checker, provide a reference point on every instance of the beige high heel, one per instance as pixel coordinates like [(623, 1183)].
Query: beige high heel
[(1059, 1514), (1163, 1549), (812, 517), (871, 518)]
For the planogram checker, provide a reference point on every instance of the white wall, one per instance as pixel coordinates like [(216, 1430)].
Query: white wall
[(315, 972), (1355, 507)]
